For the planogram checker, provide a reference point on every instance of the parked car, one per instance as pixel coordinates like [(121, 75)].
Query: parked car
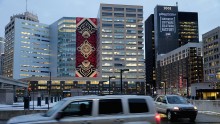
[(175, 106), (121, 109)]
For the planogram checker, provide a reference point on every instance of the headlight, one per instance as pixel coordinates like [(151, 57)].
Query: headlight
[(195, 107), (176, 108)]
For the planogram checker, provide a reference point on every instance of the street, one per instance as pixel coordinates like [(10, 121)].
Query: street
[(201, 118)]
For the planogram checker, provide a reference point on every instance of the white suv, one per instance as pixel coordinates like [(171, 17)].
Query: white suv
[(175, 106), (120, 109)]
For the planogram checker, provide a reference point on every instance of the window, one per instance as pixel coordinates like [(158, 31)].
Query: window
[(79, 108), (105, 106), (137, 105), (118, 9), (107, 8), (131, 15), (119, 25), (106, 25), (130, 10), (119, 14), (106, 14), (140, 10)]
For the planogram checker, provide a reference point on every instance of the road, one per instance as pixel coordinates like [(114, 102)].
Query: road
[(201, 119)]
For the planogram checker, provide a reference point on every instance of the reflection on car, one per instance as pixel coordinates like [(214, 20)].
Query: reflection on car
[(126, 109), (175, 106)]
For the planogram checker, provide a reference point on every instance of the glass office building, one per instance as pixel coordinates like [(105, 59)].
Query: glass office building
[(63, 35)]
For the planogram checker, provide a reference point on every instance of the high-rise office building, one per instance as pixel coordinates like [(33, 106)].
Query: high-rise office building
[(166, 30), (188, 28), (2, 45), (211, 41), (120, 44), (27, 47), (63, 45), (150, 70)]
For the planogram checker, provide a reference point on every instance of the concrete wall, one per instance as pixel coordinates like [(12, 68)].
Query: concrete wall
[(6, 115), (7, 96), (207, 105)]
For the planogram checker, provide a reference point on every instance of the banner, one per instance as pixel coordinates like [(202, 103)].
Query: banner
[(86, 38)]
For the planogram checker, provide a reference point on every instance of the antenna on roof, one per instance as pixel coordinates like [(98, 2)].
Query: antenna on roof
[(26, 5), (177, 4)]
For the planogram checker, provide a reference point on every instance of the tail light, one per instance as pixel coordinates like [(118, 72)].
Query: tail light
[(157, 117)]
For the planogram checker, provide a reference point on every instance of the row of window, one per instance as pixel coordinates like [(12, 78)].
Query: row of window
[(210, 39), (116, 36), (128, 31), (122, 9), (122, 15), (122, 53), (121, 25), (127, 64), (129, 20)]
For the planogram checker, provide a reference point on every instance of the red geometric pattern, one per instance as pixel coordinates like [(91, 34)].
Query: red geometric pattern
[(86, 37)]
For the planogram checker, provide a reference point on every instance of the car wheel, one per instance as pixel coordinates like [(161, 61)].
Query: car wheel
[(170, 116), (192, 119)]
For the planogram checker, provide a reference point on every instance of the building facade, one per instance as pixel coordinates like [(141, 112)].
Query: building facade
[(150, 70), (188, 28), (120, 44), (63, 45), (2, 45), (211, 41), (166, 30), (27, 47), (180, 68)]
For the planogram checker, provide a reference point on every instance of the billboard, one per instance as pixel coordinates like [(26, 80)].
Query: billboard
[(166, 29), (86, 38)]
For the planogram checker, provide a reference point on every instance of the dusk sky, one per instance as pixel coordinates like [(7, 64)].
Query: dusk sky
[(49, 11)]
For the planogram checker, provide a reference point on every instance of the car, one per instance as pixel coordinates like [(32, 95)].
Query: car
[(175, 106), (122, 109)]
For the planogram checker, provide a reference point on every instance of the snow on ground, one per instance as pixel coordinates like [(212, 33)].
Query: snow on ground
[(20, 106)]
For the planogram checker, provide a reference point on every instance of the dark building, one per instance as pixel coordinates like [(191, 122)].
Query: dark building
[(166, 30), (188, 27), (150, 54)]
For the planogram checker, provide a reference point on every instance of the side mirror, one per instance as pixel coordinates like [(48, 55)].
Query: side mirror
[(59, 116), (164, 101)]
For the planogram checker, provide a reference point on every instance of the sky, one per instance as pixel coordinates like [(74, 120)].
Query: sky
[(49, 11)]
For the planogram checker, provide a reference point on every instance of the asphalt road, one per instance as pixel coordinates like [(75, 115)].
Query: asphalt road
[(200, 119)]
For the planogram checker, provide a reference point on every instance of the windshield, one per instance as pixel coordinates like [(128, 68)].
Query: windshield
[(176, 100), (54, 108)]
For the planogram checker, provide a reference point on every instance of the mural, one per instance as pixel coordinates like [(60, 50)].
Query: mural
[(86, 37)]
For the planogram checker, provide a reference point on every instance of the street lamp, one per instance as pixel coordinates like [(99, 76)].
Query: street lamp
[(49, 88), (110, 77), (121, 71), (165, 91)]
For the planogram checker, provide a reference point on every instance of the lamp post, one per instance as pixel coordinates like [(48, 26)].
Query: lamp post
[(187, 86), (121, 71), (49, 88), (165, 91), (110, 77)]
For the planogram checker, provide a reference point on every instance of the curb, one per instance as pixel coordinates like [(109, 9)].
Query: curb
[(209, 112)]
